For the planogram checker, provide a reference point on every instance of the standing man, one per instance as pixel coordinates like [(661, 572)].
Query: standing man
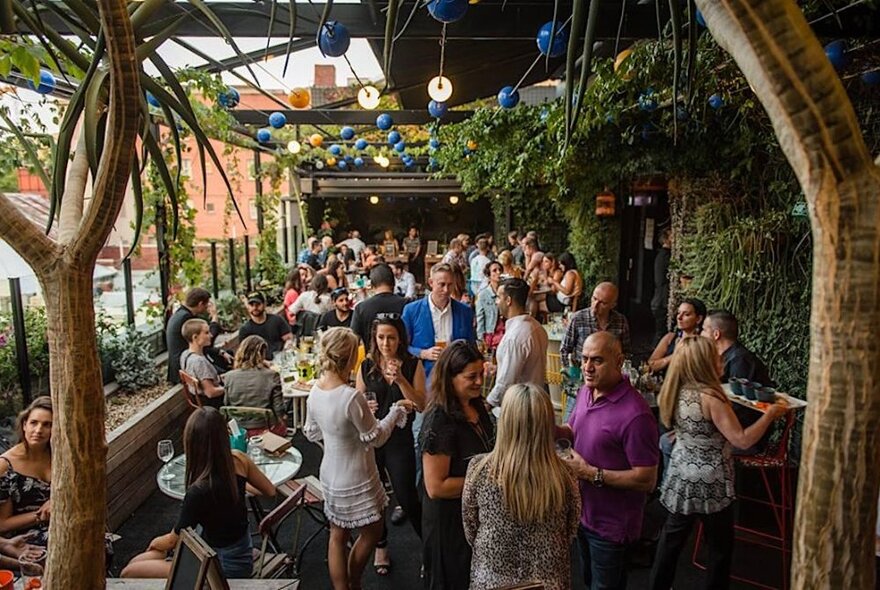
[(196, 302), (340, 315), (404, 281), (478, 262), (722, 328), (384, 300), (326, 248), (533, 258), (436, 320), (516, 249), (660, 300), (522, 353), (268, 326), (354, 243), (615, 459)]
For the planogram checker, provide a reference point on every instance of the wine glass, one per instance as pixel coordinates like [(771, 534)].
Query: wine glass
[(165, 450)]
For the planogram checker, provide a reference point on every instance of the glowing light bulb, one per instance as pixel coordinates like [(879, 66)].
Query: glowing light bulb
[(374, 200), (368, 97), (294, 147), (454, 199), (440, 88)]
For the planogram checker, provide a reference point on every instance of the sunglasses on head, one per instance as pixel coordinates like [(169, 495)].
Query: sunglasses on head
[(387, 316), (339, 291)]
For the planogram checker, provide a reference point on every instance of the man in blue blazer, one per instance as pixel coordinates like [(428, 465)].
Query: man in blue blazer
[(437, 318)]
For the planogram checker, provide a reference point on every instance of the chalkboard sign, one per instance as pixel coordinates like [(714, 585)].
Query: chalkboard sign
[(195, 565)]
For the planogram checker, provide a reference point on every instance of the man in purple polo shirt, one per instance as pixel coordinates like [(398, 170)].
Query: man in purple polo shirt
[(615, 459)]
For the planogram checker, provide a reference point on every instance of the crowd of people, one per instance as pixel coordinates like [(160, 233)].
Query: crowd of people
[(450, 406)]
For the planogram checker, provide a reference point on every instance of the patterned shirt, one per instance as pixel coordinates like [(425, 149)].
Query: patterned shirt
[(584, 323)]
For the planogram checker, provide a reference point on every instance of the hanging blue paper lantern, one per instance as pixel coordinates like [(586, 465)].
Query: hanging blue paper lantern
[(46, 85), (347, 133), (358, 162), (871, 78), (277, 120), (716, 101), (400, 146), (334, 39), (349, 159), (342, 165), (508, 97), (361, 144), (648, 100), (437, 110), (264, 135), (152, 100), (700, 20), (836, 52), (384, 121), (229, 99), (393, 137), (335, 149), (560, 39), (447, 11), (434, 143)]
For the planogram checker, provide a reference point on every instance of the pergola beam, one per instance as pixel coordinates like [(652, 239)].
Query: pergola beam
[(347, 117)]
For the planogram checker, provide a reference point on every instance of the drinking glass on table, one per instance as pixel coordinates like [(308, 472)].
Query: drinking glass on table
[(255, 447), (165, 450), (30, 564)]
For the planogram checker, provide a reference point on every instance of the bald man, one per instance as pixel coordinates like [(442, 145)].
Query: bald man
[(599, 317), (615, 460)]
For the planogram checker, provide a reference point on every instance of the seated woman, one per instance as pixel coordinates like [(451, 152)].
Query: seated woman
[(253, 384), (509, 269), (316, 299), (26, 475), (216, 477), (567, 290), (293, 286), (194, 363), (689, 322), (521, 503), (335, 273)]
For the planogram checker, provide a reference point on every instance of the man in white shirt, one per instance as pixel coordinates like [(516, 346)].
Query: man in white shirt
[(404, 281), (522, 354), (478, 263), (354, 243)]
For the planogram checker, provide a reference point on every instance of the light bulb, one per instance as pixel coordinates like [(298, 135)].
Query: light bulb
[(374, 200), (368, 97), (382, 161), (294, 147), (440, 88), (454, 199)]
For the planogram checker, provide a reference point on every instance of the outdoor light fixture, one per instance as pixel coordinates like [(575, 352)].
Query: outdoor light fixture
[(374, 200), (453, 199), (382, 161), (294, 147), (440, 88), (368, 97)]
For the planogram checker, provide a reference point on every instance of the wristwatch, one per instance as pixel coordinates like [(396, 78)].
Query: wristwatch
[(598, 478)]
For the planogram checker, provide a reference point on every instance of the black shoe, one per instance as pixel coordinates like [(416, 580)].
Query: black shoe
[(398, 516)]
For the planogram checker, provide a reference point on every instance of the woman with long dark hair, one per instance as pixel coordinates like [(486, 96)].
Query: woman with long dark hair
[(490, 323), (700, 479), (354, 497), (391, 374), (521, 503), (316, 299), (689, 322), (567, 289), (456, 427), (216, 477)]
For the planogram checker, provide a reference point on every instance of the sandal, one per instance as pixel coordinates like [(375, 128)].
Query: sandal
[(382, 569)]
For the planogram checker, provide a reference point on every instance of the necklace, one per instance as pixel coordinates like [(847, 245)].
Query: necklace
[(480, 432)]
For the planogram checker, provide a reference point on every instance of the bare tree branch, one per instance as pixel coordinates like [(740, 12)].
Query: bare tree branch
[(38, 249), (74, 193)]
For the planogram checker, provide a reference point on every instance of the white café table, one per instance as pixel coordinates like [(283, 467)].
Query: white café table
[(279, 470)]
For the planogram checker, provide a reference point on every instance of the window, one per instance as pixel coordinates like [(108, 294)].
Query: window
[(252, 205), (186, 167), (209, 208)]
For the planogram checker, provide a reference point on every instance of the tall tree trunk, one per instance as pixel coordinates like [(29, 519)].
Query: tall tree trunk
[(79, 449), (819, 133)]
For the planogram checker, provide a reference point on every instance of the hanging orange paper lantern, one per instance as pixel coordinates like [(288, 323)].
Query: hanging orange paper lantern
[(471, 145), (605, 204), (299, 98), (618, 63), (331, 161), (316, 140)]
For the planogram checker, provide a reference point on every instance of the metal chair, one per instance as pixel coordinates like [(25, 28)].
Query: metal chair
[(242, 414), (270, 563), (310, 504), (192, 389), (780, 499)]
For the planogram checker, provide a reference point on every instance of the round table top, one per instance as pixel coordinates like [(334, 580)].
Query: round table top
[(279, 469)]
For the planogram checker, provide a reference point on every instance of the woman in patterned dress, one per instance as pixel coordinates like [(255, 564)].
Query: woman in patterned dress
[(521, 503), (354, 497), (699, 483)]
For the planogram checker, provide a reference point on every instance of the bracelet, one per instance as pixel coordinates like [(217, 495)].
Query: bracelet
[(599, 478)]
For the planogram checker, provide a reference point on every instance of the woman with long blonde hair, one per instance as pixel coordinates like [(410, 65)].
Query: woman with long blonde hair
[(520, 502), (699, 481)]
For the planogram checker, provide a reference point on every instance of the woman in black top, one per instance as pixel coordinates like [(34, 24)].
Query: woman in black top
[(688, 322), (456, 428), (392, 374), (216, 478)]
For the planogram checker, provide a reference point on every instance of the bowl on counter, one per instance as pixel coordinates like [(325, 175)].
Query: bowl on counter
[(749, 389), (736, 385), (766, 394)]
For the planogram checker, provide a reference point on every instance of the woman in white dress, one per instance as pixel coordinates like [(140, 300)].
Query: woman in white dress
[(354, 497)]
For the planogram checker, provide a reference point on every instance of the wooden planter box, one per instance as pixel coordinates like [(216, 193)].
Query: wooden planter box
[(132, 462)]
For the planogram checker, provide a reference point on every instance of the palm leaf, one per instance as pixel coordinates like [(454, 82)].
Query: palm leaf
[(138, 192), (291, 26), (224, 32), (586, 60), (151, 141), (578, 22), (29, 150), (390, 26), (325, 16), (675, 17), (94, 107)]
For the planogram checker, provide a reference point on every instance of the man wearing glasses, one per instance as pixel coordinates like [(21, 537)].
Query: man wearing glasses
[(340, 315), (270, 327)]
